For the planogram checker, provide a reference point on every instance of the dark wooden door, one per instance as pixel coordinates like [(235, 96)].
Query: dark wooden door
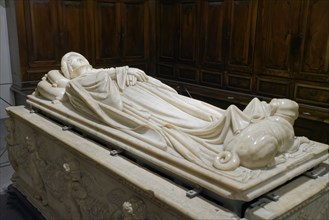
[(311, 58), (52, 29), (276, 47), (167, 31), (178, 36), (122, 33), (135, 30), (278, 37), (43, 33), (313, 52), (213, 28), (188, 36), (241, 34), (108, 43), (74, 27), (241, 19), (187, 31), (167, 38)]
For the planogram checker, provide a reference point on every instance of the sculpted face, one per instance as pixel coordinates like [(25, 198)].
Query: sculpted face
[(75, 61), (71, 62)]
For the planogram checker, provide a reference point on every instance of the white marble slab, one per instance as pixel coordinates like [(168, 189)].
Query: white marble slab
[(241, 184), (66, 176)]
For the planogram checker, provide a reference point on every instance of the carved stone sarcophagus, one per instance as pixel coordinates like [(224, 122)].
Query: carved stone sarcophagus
[(116, 143)]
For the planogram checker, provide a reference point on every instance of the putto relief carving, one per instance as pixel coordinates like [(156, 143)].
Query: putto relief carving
[(61, 180), (36, 165), (11, 144), (134, 209)]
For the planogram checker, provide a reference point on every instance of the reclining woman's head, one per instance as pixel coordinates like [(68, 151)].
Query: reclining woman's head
[(71, 63)]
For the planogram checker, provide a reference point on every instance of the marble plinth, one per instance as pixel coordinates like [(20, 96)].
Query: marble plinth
[(67, 176), (242, 184)]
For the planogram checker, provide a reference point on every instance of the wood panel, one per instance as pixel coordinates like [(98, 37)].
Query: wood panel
[(242, 19), (167, 29), (134, 30), (273, 87), (315, 53), (42, 32), (312, 94), (108, 37), (238, 82), (279, 36), (212, 30), (187, 48), (312, 130), (74, 35), (185, 73), (212, 78), (166, 71)]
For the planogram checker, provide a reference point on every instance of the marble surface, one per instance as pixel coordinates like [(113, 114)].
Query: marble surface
[(63, 179), (309, 198), (241, 184), (128, 100), (237, 154), (66, 180)]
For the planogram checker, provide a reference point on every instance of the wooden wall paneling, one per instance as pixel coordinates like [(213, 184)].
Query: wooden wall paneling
[(122, 33), (213, 26), (238, 81), (313, 130), (314, 51), (241, 34), (178, 23), (313, 94), (167, 30), (273, 87), (17, 40), (44, 29), (108, 35), (212, 78), (74, 27), (43, 33), (223, 50), (152, 35), (166, 70), (188, 30), (186, 73), (279, 37), (134, 30)]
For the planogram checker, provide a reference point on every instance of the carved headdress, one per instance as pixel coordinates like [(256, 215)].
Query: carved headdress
[(72, 61)]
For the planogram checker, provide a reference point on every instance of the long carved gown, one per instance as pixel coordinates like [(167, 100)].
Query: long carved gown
[(157, 114)]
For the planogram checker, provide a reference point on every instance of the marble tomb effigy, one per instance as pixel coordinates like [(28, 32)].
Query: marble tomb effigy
[(233, 158)]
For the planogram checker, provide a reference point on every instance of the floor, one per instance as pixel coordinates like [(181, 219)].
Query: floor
[(13, 205)]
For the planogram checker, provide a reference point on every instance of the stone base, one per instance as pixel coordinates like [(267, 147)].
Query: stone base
[(67, 176), (241, 184)]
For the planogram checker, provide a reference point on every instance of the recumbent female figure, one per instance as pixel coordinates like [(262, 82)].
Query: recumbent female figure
[(127, 99)]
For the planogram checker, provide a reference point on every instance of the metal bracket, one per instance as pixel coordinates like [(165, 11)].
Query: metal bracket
[(193, 192), (115, 152), (261, 202), (67, 127), (33, 110), (316, 172), (272, 196), (267, 198)]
